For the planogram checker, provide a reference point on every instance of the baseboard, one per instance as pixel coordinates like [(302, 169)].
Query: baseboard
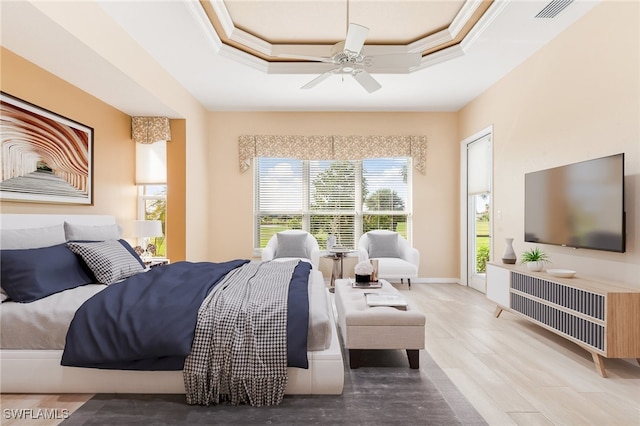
[(430, 281), (419, 281)]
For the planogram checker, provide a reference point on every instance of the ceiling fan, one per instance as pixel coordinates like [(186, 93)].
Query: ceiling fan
[(349, 58)]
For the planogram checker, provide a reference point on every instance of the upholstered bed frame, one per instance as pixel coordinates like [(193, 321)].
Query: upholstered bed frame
[(39, 371)]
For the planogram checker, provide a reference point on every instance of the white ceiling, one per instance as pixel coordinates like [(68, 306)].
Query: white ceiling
[(223, 79)]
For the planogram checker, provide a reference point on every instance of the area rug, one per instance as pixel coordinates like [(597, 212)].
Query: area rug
[(384, 391)]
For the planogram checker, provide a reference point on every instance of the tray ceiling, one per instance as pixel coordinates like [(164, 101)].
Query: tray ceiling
[(224, 53)]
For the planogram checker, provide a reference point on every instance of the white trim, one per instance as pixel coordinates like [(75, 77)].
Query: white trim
[(223, 16), (432, 41), (483, 24), (464, 228), (463, 17), (245, 58), (200, 16), (443, 55), (253, 42), (432, 280)]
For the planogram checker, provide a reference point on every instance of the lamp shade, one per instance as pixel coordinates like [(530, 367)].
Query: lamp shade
[(147, 228)]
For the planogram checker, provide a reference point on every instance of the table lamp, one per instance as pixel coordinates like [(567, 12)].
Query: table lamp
[(147, 229)]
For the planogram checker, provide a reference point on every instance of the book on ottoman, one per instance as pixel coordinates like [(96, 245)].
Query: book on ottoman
[(385, 299)]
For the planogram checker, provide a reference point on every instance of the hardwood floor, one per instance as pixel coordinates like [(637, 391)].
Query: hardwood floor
[(516, 373), (513, 372)]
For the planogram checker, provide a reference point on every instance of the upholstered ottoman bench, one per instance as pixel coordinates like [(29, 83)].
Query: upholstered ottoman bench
[(379, 327)]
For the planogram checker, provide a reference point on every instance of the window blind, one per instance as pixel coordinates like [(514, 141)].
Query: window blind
[(343, 198), (479, 166), (151, 163)]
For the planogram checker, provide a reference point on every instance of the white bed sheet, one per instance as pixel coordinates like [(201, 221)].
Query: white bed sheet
[(43, 324)]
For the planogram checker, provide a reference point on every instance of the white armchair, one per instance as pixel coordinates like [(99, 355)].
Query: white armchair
[(293, 244), (396, 258)]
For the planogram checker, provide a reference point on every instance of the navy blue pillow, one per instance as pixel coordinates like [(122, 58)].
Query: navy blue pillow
[(31, 274)]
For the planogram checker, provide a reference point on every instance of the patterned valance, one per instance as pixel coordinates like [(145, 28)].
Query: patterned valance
[(333, 148), (150, 129)]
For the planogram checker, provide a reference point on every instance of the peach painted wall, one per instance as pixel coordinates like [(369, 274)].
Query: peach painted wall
[(113, 156), (577, 98), (176, 192), (187, 158), (114, 191), (435, 195)]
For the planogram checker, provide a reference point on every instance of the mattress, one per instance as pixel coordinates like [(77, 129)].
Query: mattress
[(43, 324)]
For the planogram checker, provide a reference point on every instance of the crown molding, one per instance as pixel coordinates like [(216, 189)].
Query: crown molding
[(257, 46), (485, 21), (196, 10), (251, 41), (223, 16), (464, 16), (440, 56), (244, 58)]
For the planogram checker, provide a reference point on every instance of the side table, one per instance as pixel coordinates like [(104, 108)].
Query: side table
[(152, 263), (337, 255)]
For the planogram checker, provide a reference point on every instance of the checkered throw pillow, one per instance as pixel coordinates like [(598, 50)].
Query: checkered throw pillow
[(108, 260)]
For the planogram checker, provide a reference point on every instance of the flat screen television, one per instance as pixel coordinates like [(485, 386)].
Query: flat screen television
[(579, 205)]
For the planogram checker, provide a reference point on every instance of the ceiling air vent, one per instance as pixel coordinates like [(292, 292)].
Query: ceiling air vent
[(553, 8)]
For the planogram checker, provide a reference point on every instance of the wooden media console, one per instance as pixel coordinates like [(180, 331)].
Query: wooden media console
[(602, 317)]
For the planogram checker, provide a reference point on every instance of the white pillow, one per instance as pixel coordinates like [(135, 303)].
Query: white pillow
[(383, 245), (291, 245), (28, 238), (90, 232)]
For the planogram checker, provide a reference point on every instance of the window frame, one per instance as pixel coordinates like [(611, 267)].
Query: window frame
[(306, 212), (143, 197)]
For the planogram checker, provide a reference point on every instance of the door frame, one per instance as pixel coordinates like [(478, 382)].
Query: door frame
[(464, 208)]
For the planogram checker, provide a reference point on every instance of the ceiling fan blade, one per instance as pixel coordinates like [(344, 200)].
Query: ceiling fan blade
[(369, 83), (319, 79), (393, 60), (356, 36)]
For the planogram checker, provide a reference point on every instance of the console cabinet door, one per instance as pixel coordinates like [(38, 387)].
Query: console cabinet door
[(498, 283)]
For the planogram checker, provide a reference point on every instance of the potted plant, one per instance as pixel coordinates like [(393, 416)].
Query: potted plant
[(535, 259)]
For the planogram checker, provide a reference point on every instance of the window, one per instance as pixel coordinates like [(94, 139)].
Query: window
[(152, 205), (331, 197)]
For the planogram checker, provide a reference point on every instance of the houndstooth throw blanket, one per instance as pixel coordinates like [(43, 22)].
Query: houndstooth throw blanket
[(239, 350)]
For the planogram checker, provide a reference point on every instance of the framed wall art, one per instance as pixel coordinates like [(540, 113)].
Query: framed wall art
[(44, 157)]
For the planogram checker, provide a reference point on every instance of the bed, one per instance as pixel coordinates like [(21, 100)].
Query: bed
[(29, 367)]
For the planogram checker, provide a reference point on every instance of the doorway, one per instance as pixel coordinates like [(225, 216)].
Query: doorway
[(477, 241)]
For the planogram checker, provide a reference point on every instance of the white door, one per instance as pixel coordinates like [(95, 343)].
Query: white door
[(478, 210)]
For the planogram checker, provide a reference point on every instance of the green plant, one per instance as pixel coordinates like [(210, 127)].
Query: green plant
[(482, 257), (534, 255)]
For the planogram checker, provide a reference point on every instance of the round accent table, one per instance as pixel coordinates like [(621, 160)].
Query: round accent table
[(337, 255)]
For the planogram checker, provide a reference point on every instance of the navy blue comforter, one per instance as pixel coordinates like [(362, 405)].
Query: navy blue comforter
[(147, 322)]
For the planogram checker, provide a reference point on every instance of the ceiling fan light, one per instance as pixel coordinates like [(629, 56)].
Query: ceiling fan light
[(348, 58)]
